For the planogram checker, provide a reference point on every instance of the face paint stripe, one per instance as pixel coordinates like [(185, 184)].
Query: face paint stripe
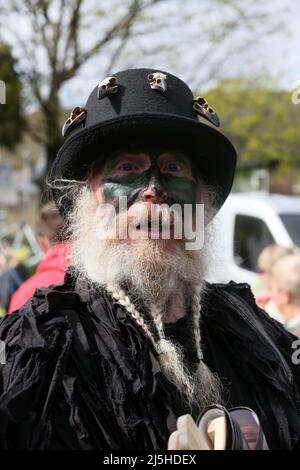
[(178, 189)]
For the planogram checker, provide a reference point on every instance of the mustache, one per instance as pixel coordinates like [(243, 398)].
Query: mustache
[(154, 214), (136, 198), (140, 216), (141, 213)]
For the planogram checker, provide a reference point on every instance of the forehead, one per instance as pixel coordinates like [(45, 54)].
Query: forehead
[(151, 153)]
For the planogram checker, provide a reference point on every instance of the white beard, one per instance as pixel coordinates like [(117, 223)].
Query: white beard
[(153, 273)]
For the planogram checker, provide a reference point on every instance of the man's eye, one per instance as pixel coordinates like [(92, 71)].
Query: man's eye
[(127, 167), (173, 167)]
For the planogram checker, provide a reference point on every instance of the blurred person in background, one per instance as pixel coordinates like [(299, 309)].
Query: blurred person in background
[(266, 260), (51, 269), (286, 291), (13, 273)]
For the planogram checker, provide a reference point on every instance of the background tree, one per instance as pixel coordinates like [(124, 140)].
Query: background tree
[(11, 118), (57, 44), (58, 39), (262, 122)]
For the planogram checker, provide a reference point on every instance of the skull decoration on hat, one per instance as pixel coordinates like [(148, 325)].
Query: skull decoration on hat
[(77, 116), (158, 81), (108, 86), (202, 107)]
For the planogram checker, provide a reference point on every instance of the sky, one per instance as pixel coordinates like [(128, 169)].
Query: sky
[(180, 46), (275, 57)]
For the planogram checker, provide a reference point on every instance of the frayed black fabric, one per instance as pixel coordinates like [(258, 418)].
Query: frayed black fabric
[(80, 373), (254, 357)]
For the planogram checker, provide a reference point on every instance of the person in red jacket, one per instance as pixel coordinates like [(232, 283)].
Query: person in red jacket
[(51, 269)]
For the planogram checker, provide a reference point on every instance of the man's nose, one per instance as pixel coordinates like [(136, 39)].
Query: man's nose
[(154, 195)]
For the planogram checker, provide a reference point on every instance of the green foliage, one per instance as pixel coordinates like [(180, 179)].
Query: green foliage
[(263, 123), (11, 119)]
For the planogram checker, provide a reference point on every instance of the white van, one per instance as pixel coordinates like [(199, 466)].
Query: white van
[(247, 223)]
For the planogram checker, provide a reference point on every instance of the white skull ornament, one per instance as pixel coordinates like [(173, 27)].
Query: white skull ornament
[(158, 81), (108, 86), (204, 110)]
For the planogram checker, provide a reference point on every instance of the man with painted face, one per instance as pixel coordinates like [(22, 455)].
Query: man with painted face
[(134, 337)]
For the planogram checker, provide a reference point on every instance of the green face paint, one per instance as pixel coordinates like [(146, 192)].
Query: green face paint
[(181, 189), (129, 175)]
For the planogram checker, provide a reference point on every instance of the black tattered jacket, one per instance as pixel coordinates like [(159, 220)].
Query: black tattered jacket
[(80, 373)]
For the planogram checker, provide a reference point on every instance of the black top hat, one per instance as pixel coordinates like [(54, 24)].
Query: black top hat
[(151, 106)]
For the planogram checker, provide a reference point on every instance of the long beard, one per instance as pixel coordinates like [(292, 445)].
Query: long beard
[(152, 272)]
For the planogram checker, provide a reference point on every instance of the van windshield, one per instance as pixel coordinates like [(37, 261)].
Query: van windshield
[(292, 224)]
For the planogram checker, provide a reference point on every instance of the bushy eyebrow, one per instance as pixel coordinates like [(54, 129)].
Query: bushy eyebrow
[(120, 155), (176, 156), (113, 160)]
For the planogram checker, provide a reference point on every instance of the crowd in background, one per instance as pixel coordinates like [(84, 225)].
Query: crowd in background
[(17, 283), (279, 285)]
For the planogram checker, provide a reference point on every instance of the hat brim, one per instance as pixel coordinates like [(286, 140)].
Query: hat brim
[(211, 151)]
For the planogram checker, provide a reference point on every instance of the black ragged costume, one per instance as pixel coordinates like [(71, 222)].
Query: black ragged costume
[(80, 373)]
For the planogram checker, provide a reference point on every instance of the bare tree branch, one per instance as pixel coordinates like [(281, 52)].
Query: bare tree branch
[(124, 37), (52, 50), (36, 136), (122, 29), (72, 35)]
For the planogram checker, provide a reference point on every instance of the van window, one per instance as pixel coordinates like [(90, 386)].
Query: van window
[(292, 224), (251, 236)]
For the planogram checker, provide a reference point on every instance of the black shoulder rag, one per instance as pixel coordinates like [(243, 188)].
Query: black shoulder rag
[(80, 373)]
